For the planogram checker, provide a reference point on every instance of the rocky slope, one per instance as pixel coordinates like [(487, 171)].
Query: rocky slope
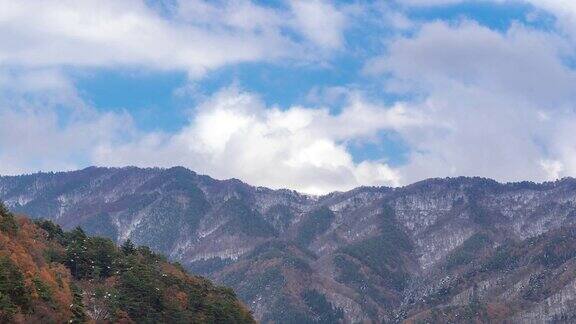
[(49, 276), (442, 249)]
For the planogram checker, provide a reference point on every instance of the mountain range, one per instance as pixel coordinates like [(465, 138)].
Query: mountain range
[(440, 250)]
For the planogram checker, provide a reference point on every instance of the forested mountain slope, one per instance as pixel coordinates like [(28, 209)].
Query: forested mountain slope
[(49, 276), (455, 249)]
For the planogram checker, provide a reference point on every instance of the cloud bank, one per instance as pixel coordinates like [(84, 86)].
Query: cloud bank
[(475, 101)]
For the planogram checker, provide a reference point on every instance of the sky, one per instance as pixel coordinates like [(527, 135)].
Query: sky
[(310, 95)]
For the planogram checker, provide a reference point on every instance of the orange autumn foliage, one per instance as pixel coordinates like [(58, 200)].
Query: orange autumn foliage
[(51, 276), (26, 249)]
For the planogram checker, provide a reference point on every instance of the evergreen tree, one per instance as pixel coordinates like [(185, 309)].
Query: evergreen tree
[(77, 257), (128, 247), (104, 253), (7, 221), (53, 230), (77, 307), (13, 292)]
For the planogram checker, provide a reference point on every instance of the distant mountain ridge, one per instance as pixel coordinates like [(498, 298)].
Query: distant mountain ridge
[(437, 249)]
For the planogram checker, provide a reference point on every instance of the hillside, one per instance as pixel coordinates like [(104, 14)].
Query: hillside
[(51, 276), (458, 249)]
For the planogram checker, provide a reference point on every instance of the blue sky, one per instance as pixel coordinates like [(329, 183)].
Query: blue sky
[(310, 95)]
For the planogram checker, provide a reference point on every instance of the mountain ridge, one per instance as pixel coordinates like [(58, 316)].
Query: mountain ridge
[(259, 187), (299, 258)]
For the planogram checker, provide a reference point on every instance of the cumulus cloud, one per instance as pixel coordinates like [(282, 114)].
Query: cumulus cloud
[(45, 125), (233, 134), (503, 103)]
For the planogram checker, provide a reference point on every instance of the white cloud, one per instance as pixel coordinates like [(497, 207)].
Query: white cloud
[(197, 36), (564, 10), (319, 21), (34, 139), (234, 134), (44, 124), (487, 93), (553, 168), (430, 3), (485, 102), (521, 62)]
